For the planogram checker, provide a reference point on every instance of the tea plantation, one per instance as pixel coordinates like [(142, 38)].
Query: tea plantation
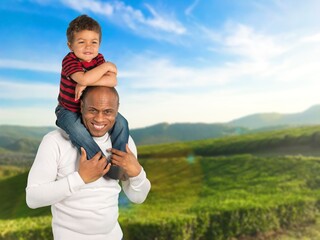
[(228, 188)]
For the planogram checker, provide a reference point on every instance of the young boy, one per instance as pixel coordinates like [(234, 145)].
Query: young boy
[(85, 66)]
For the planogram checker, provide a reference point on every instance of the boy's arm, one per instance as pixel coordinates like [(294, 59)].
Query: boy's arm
[(108, 80), (90, 77)]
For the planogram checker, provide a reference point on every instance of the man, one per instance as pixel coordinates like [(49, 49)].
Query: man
[(84, 204)]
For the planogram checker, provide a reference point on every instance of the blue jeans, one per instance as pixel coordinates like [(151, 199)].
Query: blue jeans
[(71, 123)]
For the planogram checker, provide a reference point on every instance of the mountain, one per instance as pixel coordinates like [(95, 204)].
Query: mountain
[(164, 132), (310, 116), (27, 139), (22, 139), (24, 132)]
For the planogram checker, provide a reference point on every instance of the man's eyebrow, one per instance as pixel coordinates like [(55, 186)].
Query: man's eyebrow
[(91, 107)]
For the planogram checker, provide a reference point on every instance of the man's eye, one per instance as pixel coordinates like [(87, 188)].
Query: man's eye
[(92, 110)]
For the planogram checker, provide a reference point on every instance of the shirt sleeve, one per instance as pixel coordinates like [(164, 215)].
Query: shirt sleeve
[(136, 188), (43, 188), (100, 59), (71, 65)]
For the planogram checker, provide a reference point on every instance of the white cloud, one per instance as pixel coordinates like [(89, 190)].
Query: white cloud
[(315, 38), (28, 65), (191, 7), (126, 16), (28, 116), (242, 40), (217, 105), (163, 22), (14, 90), (268, 63), (93, 6)]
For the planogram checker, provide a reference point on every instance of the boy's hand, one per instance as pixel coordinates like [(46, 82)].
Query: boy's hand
[(78, 91), (110, 67), (94, 168)]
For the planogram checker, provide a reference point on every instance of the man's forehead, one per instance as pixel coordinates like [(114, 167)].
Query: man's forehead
[(101, 102)]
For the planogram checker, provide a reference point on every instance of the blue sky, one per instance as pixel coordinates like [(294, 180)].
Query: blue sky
[(178, 61)]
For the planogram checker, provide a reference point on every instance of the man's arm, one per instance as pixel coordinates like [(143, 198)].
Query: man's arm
[(42, 188), (92, 76), (137, 186)]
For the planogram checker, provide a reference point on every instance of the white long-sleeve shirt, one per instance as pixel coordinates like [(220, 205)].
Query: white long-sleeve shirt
[(79, 210)]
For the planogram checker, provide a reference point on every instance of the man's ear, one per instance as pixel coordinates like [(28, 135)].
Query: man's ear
[(81, 105)]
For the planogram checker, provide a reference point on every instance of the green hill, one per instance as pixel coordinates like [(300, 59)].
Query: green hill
[(210, 189), (22, 139), (13, 201), (26, 139), (310, 116), (24, 132), (299, 140), (168, 133)]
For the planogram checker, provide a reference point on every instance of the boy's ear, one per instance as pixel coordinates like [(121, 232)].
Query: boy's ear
[(69, 46)]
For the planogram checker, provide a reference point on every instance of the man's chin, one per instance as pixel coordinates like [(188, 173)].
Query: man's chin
[(98, 133)]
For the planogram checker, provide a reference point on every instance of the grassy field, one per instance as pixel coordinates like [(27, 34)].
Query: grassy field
[(259, 186)]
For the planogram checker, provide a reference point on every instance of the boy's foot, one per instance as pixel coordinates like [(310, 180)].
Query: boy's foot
[(115, 172)]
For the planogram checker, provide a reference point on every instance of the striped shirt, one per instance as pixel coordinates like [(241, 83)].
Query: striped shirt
[(70, 65)]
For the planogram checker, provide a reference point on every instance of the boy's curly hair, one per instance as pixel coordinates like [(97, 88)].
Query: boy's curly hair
[(83, 22)]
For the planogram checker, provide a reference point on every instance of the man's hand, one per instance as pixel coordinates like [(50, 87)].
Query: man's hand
[(127, 161), (78, 91), (94, 168)]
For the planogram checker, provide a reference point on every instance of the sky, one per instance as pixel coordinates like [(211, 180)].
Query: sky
[(207, 61)]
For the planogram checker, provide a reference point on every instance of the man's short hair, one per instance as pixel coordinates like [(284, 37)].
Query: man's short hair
[(90, 88)]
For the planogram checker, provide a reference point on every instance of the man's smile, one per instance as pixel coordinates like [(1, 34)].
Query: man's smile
[(98, 126)]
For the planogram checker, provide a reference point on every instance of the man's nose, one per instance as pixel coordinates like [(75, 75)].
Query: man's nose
[(99, 117)]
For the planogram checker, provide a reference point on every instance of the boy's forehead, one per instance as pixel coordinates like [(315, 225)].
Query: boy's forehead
[(86, 33)]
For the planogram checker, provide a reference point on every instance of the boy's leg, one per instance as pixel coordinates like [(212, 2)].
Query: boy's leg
[(119, 137), (120, 133), (71, 123)]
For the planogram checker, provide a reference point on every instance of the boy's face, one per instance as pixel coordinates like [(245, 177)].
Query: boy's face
[(85, 45)]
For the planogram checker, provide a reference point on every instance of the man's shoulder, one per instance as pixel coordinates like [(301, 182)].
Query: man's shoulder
[(132, 146), (57, 134)]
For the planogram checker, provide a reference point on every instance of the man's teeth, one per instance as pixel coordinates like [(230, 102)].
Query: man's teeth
[(98, 126)]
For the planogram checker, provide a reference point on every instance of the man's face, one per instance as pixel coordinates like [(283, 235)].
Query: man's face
[(99, 110)]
